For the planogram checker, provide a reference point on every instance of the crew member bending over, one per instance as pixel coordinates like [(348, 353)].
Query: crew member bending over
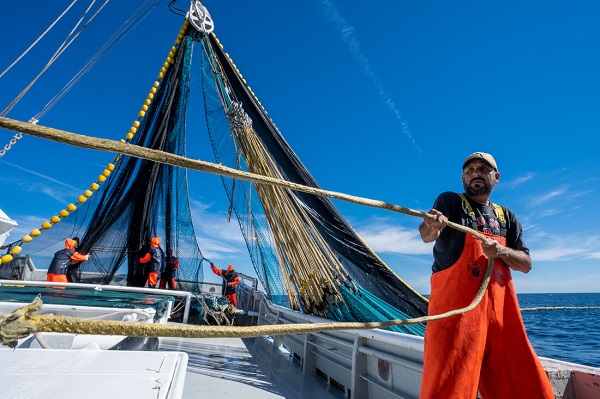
[(57, 271)]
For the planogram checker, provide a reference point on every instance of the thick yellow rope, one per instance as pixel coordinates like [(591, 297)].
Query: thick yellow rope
[(21, 323), (112, 146)]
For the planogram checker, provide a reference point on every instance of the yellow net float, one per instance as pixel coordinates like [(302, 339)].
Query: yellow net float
[(81, 199), (35, 233), (15, 250), (55, 219), (64, 213), (110, 166), (71, 207), (94, 186), (6, 258), (46, 225), (87, 193), (27, 238)]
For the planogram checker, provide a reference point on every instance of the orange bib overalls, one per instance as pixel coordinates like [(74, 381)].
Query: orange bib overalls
[(486, 349)]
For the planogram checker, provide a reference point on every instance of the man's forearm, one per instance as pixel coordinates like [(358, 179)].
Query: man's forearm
[(428, 234), (516, 260)]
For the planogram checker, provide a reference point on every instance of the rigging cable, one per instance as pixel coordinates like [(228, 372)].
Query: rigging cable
[(38, 39), (138, 16), (142, 12), (61, 49)]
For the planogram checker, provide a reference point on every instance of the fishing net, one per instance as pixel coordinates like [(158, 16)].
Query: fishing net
[(140, 199), (304, 252)]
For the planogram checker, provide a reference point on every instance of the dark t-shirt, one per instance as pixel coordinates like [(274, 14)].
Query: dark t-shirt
[(450, 243)]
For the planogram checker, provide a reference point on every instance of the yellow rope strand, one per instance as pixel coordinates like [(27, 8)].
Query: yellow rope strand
[(315, 266)]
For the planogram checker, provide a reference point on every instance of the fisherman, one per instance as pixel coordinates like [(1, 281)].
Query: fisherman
[(167, 276), (154, 261), (64, 259), (487, 348), (230, 280)]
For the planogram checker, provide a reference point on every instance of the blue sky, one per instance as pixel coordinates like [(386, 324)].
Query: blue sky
[(381, 100)]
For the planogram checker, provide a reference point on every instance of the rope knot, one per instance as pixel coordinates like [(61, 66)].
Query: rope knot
[(17, 324)]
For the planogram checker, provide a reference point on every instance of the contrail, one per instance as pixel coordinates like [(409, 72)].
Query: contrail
[(39, 175), (349, 38)]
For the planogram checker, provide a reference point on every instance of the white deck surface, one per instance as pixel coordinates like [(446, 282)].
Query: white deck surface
[(90, 374), (223, 368)]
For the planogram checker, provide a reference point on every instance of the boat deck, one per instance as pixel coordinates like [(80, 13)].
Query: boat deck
[(227, 367)]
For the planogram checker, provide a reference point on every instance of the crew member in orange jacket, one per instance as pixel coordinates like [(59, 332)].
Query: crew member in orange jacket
[(167, 276), (57, 271), (487, 348), (230, 280), (154, 261)]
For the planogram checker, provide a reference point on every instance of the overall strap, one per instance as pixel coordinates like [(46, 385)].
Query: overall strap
[(468, 209), (499, 213), (498, 210)]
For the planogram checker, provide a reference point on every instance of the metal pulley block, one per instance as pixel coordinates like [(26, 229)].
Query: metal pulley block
[(200, 18)]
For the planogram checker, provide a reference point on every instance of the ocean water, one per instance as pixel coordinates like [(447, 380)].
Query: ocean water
[(571, 335)]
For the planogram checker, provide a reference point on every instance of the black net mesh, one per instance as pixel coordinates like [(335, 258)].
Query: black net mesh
[(364, 267), (143, 199), (140, 199)]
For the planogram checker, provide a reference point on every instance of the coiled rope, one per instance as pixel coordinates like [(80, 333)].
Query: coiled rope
[(21, 323)]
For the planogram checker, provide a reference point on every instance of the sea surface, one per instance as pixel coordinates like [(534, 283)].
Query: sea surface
[(571, 335)]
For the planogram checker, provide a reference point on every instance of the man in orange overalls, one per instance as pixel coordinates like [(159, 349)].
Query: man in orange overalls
[(486, 349)]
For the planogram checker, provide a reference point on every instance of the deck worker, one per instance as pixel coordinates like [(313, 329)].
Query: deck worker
[(486, 349), (167, 275), (64, 259), (154, 261), (230, 280)]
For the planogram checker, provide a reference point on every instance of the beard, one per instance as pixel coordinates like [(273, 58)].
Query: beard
[(479, 190)]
